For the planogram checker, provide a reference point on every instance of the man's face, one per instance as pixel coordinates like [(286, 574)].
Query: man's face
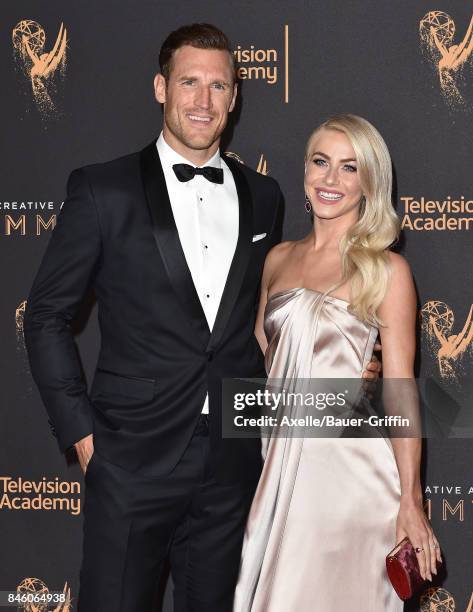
[(197, 98)]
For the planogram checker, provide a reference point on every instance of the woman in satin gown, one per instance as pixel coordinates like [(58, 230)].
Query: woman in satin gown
[(327, 511)]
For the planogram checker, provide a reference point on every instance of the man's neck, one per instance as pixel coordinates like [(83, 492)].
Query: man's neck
[(198, 157)]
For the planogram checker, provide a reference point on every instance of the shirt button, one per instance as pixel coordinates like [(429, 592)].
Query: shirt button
[(207, 295), (206, 246)]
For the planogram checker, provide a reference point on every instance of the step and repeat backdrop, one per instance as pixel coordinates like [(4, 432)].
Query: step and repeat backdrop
[(77, 88)]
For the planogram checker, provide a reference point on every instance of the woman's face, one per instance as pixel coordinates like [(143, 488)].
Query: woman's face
[(331, 179)]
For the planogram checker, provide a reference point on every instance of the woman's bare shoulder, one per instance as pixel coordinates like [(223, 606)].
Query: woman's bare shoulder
[(276, 257), (400, 295), (400, 269), (281, 250)]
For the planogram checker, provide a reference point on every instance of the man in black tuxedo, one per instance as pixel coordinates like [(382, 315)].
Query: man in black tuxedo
[(175, 260), (173, 240)]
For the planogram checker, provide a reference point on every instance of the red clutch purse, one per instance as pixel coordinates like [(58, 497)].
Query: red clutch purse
[(403, 570)]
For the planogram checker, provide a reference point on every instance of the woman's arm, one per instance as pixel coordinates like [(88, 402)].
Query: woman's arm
[(398, 314), (273, 260)]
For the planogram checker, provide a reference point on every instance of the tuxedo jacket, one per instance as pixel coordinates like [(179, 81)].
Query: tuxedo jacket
[(158, 359)]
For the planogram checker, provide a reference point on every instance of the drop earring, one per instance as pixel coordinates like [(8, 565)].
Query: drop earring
[(308, 205)]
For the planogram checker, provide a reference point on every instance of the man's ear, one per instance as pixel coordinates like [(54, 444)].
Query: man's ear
[(160, 88), (232, 103)]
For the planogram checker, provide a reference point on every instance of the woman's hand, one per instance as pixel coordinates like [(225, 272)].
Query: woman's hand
[(374, 367), (413, 523)]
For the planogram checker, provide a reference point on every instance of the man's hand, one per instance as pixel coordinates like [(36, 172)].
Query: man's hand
[(85, 450), (373, 369)]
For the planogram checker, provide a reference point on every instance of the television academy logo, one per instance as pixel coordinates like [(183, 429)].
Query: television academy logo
[(256, 64), (39, 66), (34, 588), (437, 31), (452, 214), (437, 321), (44, 495)]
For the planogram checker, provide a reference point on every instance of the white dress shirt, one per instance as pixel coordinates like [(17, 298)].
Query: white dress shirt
[(206, 217)]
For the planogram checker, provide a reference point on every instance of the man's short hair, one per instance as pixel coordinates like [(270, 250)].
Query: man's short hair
[(198, 35)]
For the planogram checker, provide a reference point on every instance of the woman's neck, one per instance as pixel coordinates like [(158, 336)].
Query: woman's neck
[(327, 233)]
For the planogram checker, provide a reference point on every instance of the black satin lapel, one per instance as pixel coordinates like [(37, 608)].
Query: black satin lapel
[(241, 257), (167, 239)]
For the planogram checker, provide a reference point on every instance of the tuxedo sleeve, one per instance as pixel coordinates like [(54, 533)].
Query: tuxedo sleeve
[(276, 231), (65, 274)]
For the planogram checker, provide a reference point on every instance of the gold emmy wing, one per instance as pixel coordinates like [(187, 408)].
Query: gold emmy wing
[(324, 515)]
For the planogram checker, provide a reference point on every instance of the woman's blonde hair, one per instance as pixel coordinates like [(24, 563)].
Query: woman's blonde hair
[(365, 260)]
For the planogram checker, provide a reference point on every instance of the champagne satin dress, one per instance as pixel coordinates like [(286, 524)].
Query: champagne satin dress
[(324, 513)]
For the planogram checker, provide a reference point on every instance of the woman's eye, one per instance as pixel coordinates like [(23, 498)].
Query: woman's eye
[(350, 168), (319, 162)]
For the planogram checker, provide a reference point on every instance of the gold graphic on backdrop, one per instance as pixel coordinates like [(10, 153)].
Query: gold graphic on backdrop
[(19, 315), (24, 366), (436, 600), (20, 338), (40, 67), (470, 604), (234, 156), (262, 165), (437, 323), (261, 168), (437, 30), (34, 586)]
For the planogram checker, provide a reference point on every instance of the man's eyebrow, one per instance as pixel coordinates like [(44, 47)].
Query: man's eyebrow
[(194, 78)]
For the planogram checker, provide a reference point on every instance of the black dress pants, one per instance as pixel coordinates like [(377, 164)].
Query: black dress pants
[(132, 523)]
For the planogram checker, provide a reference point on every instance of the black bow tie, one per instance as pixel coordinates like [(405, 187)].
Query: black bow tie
[(185, 172)]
